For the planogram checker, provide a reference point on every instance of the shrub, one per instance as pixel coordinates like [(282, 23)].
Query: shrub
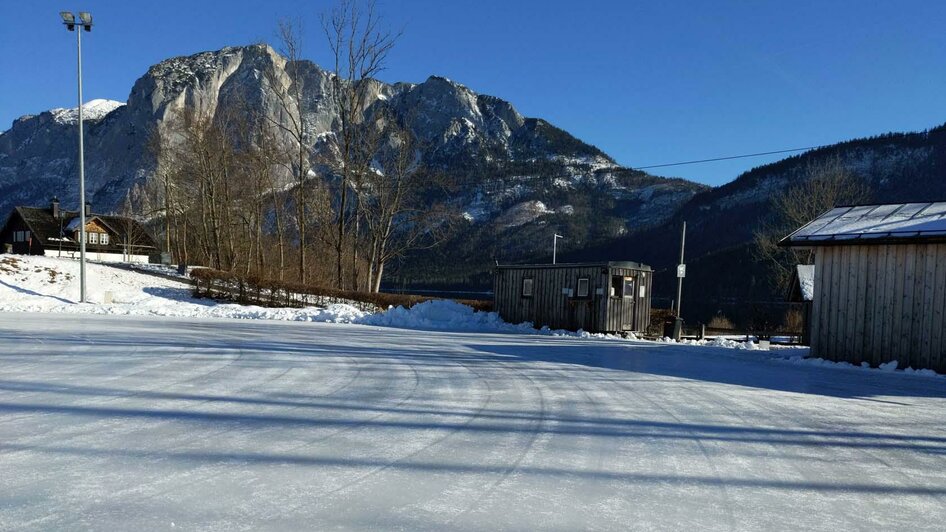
[(721, 322), (793, 321)]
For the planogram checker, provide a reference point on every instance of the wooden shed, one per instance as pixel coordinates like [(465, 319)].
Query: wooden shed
[(595, 297), (879, 284)]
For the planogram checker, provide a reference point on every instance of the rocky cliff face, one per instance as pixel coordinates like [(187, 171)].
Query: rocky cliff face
[(505, 161)]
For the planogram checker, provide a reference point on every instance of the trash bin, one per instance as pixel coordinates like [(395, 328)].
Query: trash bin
[(673, 328)]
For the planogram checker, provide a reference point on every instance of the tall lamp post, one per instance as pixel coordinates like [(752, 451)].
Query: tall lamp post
[(85, 21), (555, 238)]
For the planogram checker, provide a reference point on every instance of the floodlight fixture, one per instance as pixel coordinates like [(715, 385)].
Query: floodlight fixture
[(68, 19), (86, 19)]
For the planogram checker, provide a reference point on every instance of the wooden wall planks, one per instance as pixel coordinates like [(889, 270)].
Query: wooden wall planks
[(549, 306), (878, 303)]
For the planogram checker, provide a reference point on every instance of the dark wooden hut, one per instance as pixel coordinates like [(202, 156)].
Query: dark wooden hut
[(595, 297), (879, 284)]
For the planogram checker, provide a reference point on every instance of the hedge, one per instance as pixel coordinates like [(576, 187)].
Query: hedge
[(217, 284)]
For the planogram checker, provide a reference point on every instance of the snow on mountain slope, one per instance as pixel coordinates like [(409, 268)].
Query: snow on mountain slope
[(93, 110)]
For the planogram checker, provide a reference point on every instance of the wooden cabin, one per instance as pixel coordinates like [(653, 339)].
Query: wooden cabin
[(55, 232), (608, 297), (879, 284)]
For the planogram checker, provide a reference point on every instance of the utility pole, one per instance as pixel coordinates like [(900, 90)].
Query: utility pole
[(555, 238), (85, 22), (681, 270)]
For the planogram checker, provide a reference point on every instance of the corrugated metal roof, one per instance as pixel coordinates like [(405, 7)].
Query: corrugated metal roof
[(873, 224)]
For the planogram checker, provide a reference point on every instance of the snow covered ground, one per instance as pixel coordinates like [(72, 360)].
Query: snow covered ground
[(47, 284), (145, 423), (50, 284)]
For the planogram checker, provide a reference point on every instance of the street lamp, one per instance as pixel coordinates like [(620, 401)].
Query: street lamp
[(85, 20), (555, 238)]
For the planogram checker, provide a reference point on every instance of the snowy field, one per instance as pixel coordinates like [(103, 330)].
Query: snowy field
[(151, 423)]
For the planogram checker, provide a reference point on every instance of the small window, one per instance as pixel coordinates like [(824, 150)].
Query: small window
[(527, 287), (17, 236), (617, 286), (93, 238), (103, 239), (628, 287), (582, 290)]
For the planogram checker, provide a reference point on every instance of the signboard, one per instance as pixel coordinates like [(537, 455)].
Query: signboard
[(681, 270)]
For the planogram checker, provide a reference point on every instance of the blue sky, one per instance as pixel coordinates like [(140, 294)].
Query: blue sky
[(647, 82)]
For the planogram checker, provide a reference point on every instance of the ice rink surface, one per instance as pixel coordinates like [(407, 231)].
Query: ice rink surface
[(123, 423)]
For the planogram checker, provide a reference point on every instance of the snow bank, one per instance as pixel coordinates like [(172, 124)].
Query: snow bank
[(443, 315), (447, 315), (49, 284), (887, 367)]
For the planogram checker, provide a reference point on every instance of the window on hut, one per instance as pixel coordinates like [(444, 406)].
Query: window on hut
[(104, 239), (527, 287), (93, 238), (582, 290), (628, 287), (617, 286)]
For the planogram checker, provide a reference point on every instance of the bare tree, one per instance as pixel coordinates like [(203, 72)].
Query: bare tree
[(359, 47), (823, 185), (132, 237), (290, 121), (398, 216)]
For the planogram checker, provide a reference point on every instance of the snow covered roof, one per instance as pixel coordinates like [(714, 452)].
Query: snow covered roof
[(874, 224)]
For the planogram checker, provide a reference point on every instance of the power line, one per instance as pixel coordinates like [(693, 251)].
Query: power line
[(727, 158), (480, 182)]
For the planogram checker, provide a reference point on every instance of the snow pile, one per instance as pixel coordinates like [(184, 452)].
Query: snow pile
[(887, 367), (445, 314), (719, 341), (732, 344), (92, 110)]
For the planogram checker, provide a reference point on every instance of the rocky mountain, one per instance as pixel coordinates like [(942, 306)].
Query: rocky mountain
[(514, 173)]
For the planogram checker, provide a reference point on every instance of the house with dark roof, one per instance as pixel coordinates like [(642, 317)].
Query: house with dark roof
[(878, 293), (54, 232)]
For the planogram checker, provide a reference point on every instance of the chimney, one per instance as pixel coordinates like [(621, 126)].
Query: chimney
[(88, 209), (54, 207)]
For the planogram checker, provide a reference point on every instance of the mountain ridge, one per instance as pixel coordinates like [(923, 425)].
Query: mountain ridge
[(477, 138)]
